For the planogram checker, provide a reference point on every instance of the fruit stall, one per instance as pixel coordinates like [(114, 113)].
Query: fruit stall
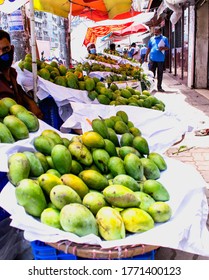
[(103, 194)]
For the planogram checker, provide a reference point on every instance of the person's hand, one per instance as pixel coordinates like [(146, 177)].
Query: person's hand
[(161, 48), (145, 59)]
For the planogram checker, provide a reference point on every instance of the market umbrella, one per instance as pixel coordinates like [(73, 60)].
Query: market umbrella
[(132, 29)]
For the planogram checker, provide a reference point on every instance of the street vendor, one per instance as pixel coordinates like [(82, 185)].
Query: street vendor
[(91, 48), (8, 77)]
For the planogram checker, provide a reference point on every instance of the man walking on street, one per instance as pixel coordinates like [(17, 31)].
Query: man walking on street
[(157, 46)]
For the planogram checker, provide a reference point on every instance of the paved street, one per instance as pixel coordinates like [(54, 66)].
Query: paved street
[(197, 155)]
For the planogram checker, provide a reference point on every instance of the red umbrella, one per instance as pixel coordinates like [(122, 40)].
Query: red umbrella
[(139, 28)]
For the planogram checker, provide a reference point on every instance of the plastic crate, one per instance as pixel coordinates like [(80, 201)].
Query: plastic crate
[(3, 181), (42, 251), (50, 111)]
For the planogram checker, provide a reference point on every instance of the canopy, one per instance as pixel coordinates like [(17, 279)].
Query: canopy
[(132, 29), (93, 9), (100, 31)]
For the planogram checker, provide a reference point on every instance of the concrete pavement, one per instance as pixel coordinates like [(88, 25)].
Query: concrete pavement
[(197, 153)]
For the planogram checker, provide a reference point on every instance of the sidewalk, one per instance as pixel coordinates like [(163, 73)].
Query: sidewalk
[(197, 153)]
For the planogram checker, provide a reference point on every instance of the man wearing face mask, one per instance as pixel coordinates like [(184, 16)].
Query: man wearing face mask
[(91, 48), (157, 46), (8, 77)]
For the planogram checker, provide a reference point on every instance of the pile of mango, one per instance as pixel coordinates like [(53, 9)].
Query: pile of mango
[(15, 121), (87, 185)]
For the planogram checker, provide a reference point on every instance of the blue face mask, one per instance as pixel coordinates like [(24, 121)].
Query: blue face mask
[(157, 36), (92, 51)]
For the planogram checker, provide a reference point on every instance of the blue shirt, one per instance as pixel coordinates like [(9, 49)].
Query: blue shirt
[(155, 53)]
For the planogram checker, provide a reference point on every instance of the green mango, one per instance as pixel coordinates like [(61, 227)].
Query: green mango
[(9, 102), (93, 179), (54, 172), (123, 151), (120, 196), (145, 200), (110, 147), (66, 141), (133, 166), (76, 167), (18, 129), (121, 127), (78, 219), (44, 144), (101, 159), (151, 171), (116, 166), (156, 190), (36, 168), (19, 168), (123, 115), (61, 158), (110, 223), (126, 139), (29, 119), (4, 110), (81, 153), (113, 136), (53, 135), (94, 201), (140, 143), (30, 195), (50, 162), (61, 195), (5, 134), (126, 181), (100, 127), (158, 160), (43, 160), (51, 217)]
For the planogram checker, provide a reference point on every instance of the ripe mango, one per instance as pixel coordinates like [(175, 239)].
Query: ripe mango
[(137, 220), (51, 217), (94, 201), (5, 134), (101, 159), (151, 171), (93, 139), (126, 181), (158, 160), (61, 158), (47, 181), (100, 127), (16, 108), (120, 196), (29, 119), (133, 166), (141, 144), (53, 135), (156, 190), (145, 200), (110, 223), (75, 183), (19, 168), (36, 168), (61, 195), (78, 219), (18, 129), (44, 144), (160, 211), (30, 195), (116, 166), (93, 179)]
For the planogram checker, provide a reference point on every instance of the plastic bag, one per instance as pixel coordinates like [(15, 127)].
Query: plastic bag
[(145, 66), (13, 246)]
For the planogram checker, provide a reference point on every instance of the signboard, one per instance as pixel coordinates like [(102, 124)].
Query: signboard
[(16, 21)]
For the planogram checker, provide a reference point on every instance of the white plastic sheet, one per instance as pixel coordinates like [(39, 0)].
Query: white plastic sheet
[(186, 230), (160, 129)]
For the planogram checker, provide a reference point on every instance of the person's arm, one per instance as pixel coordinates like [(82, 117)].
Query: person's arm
[(147, 53)]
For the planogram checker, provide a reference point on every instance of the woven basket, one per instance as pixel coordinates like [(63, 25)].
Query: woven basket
[(96, 252)]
